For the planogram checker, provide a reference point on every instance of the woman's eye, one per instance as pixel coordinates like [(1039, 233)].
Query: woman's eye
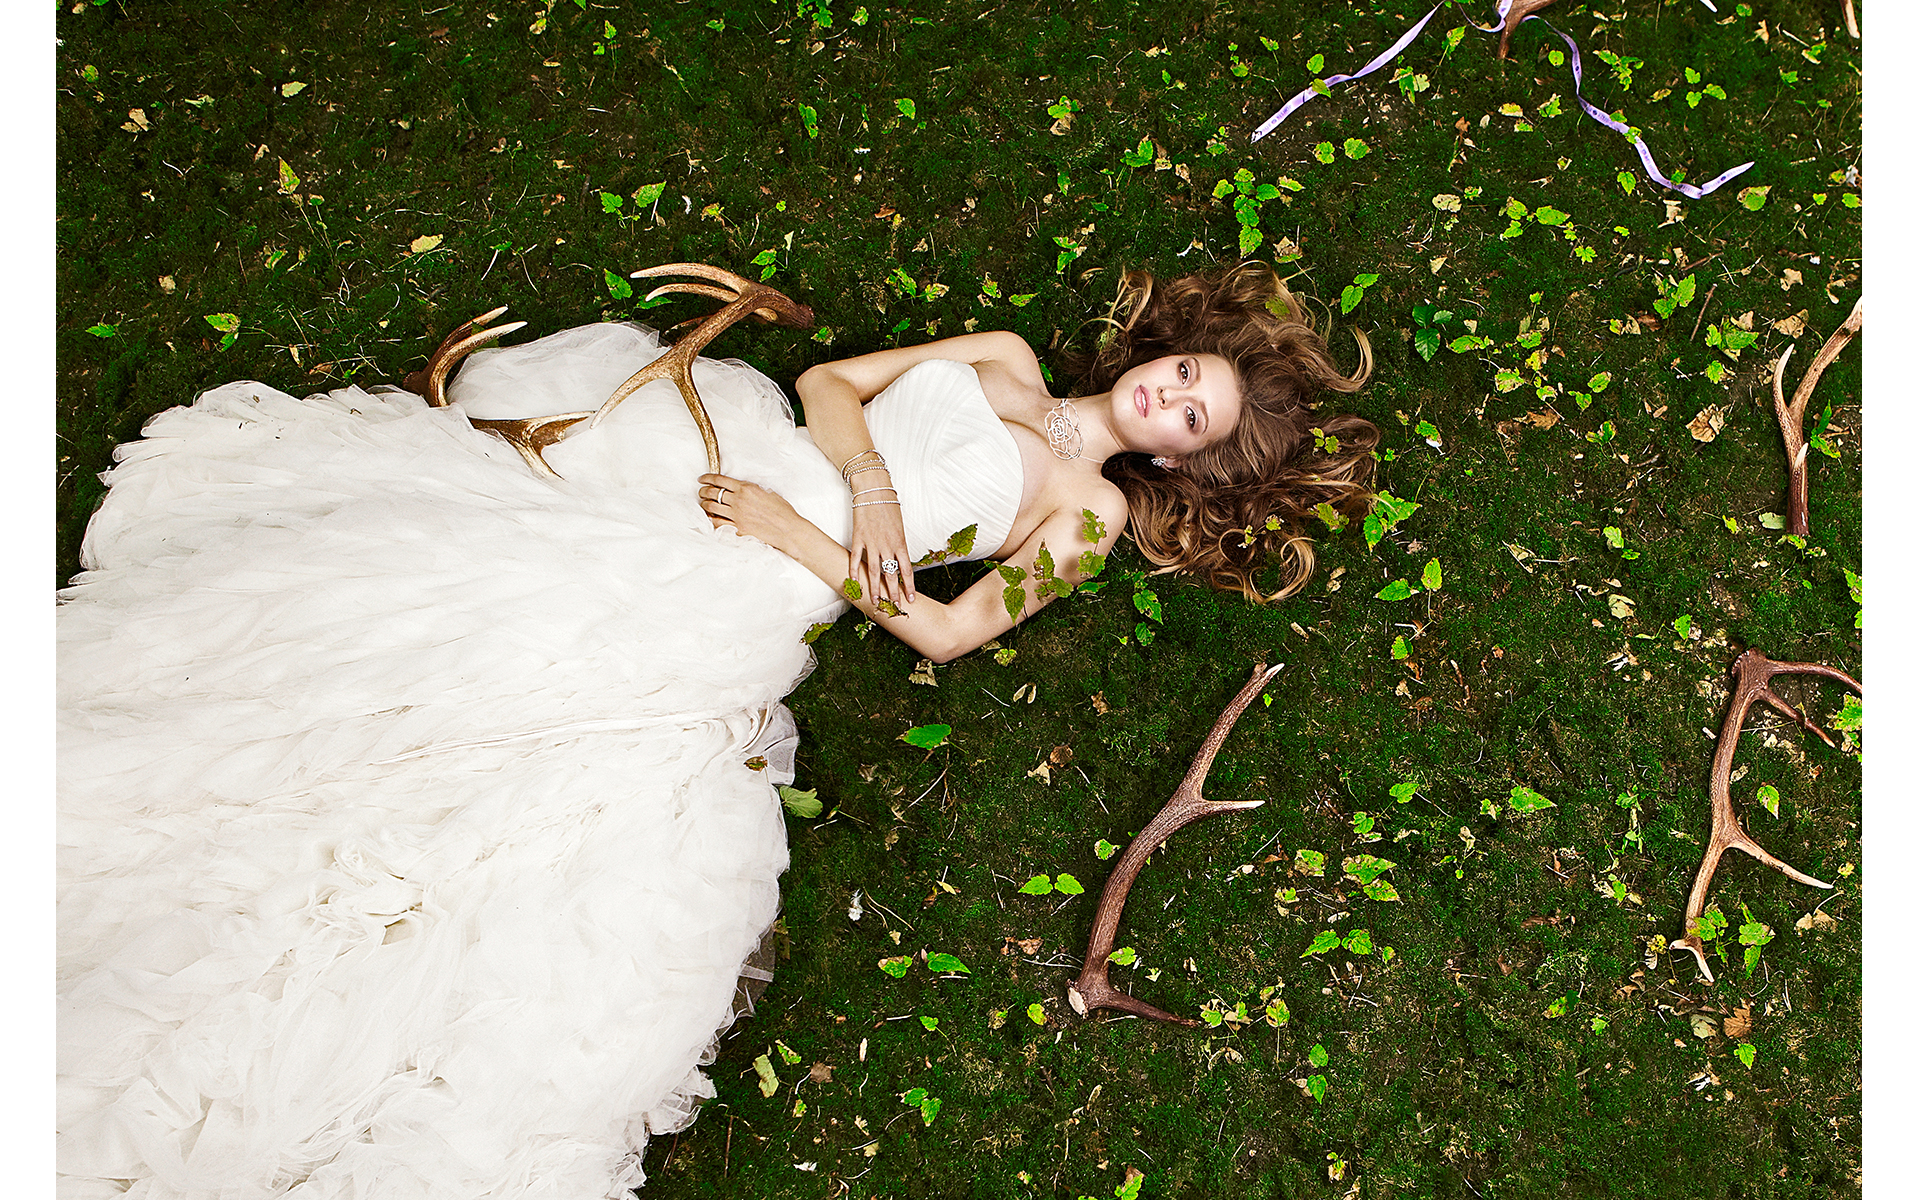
[(1183, 372), (1190, 419)]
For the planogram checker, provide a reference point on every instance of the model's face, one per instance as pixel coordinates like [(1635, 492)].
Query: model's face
[(1176, 405)]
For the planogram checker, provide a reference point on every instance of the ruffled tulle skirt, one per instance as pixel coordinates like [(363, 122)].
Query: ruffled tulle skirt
[(416, 813)]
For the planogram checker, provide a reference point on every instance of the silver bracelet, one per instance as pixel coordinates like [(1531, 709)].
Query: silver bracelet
[(871, 503), (870, 491)]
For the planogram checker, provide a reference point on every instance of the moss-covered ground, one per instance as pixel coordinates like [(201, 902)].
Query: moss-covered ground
[(338, 185)]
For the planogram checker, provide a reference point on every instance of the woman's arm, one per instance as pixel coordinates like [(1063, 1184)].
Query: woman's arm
[(833, 394), (941, 632)]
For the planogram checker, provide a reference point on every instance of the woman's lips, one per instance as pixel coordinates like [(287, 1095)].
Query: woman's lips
[(1140, 400)]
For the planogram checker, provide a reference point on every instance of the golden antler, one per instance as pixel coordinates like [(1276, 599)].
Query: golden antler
[(532, 435)]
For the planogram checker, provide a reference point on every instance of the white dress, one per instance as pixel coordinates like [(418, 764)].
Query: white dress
[(412, 831)]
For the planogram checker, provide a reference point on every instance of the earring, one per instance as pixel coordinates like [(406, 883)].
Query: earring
[(1162, 462)]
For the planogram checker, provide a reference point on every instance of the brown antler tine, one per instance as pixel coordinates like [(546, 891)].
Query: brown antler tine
[(692, 289), (418, 381), (701, 270), (1519, 12), (1751, 672), (1792, 416), (1092, 990), (449, 357)]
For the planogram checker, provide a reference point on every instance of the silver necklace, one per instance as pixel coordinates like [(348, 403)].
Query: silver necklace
[(1063, 432)]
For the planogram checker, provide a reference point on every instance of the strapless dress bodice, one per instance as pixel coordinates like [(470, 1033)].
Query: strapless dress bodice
[(953, 460)]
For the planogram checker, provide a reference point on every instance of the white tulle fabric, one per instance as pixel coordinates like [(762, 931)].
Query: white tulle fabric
[(407, 842)]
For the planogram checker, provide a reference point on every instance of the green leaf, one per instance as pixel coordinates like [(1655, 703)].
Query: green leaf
[(1310, 862), (1525, 800), (1277, 1014), (1355, 148), (809, 119), (1360, 941), (1323, 941), (947, 964), (896, 966), (1546, 214), (801, 804), (1746, 1054), (1350, 297), (1403, 791), (1400, 649), (1753, 198), (1123, 957), (617, 286), (1104, 849), (1397, 590), (1317, 1084), (103, 331), (1318, 1055), (1039, 885), (1223, 188), (930, 1023), (1250, 238), (612, 202), (1380, 889), (1067, 885), (1140, 155), (1559, 1007), (769, 1082), (1316, 64), (224, 322), (649, 195), (1426, 342), (1365, 868), (929, 1109), (1324, 151), (788, 1054), (1769, 797), (1022, 301), (1146, 602), (1430, 576), (913, 1097), (1683, 624), (926, 737), (1036, 1014), (1427, 430), (1600, 381), (1614, 537), (906, 108)]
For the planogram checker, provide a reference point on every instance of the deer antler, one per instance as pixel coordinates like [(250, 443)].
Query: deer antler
[(430, 381), (532, 435), (1793, 416), (677, 364), (1521, 10), (1751, 671), (1091, 990)]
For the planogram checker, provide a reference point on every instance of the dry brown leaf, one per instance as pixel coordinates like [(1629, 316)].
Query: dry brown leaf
[(1675, 213), (1060, 756), (1744, 320), (1099, 701), (1794, 325), (1739, 1024), (1706, 425), (1520, 555), (1789, 277), (821, 1073), (1043, 772), (1544, 420)]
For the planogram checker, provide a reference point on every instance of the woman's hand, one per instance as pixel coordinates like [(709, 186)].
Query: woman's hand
[(880, 538), (751, 509)]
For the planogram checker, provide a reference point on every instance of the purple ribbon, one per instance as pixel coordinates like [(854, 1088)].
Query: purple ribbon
[(1500, 15)]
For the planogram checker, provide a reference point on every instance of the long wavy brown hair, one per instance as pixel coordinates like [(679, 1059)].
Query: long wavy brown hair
[(1228, 511)]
